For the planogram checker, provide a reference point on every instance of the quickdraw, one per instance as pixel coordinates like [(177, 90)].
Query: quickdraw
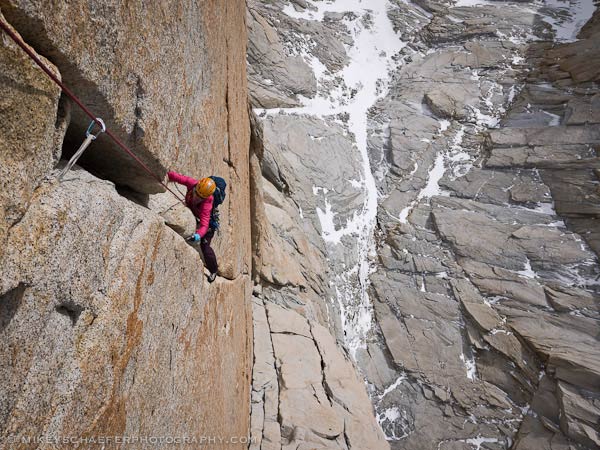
[(89, 137)]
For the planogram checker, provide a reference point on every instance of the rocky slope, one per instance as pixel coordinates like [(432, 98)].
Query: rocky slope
[(305, 389), (306, 392), (480, 126), (107, 325)]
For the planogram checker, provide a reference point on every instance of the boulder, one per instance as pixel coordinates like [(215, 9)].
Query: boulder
[(452, 102)]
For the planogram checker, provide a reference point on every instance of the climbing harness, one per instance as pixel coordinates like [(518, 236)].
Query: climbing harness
[(89, 137), (91, 115)]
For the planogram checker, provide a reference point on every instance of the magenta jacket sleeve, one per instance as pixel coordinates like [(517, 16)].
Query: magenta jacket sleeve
[(204, 219), (188, 182)]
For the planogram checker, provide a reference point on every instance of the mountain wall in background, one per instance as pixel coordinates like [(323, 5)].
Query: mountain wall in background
[(432, 166)]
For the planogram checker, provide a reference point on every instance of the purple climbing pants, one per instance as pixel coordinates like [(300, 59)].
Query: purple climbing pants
[(210, 259)]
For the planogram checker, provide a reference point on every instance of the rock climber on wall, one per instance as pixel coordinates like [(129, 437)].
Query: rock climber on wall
[(203, 198)]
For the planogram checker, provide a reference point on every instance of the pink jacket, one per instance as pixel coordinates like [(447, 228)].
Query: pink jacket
[(200, 207)]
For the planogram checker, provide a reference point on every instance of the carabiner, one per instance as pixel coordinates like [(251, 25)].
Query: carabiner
[(89, 129)]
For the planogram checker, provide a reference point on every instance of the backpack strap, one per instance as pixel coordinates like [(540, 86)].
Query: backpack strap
[(214, 219)]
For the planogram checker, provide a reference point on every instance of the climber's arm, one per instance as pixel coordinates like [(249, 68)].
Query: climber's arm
[(188, 182)]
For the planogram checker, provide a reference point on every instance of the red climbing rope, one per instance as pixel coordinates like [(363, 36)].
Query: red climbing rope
[(73, 97)]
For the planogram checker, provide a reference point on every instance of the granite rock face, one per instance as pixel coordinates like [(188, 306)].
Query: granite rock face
[(168, 94), (478, 264), (29, 137), (279, 49), (98, 333), (107, 324), (173, 104), (175, 214), (275, 77), (306, 392)]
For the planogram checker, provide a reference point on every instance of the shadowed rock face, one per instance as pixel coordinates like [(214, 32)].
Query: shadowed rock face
[(485, 153), (128, 63), (107, 325)]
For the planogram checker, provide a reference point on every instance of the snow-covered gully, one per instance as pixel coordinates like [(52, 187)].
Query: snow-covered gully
[(359, 86)]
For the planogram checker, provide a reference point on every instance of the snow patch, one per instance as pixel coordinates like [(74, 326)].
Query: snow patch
[(469, 3), (479, 441), (435, 175), (567, 17), (469, 363), (393, 386), (390, 419), (527, 272), (555, 119), (375, 43), (444, 125)]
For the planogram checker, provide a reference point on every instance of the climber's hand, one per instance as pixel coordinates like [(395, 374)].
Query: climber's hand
[(194, 237)]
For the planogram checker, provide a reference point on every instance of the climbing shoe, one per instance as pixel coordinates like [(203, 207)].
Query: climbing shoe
[(212, 277)]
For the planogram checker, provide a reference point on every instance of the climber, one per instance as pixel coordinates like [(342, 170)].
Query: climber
[(203, 197)]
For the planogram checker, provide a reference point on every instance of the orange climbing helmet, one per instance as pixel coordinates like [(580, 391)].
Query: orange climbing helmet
[(205, 187)]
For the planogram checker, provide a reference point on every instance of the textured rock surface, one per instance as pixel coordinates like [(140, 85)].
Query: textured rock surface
[(278, 50), (107, 325), (275, 76), (172, 107), (98, 333), (305, 390), (175, 214), (167, 96), (306, 393), (484, 148), (28, 131), (479, 272)]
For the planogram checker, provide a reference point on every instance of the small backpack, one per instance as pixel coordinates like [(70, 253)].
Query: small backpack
[(218, 198)]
